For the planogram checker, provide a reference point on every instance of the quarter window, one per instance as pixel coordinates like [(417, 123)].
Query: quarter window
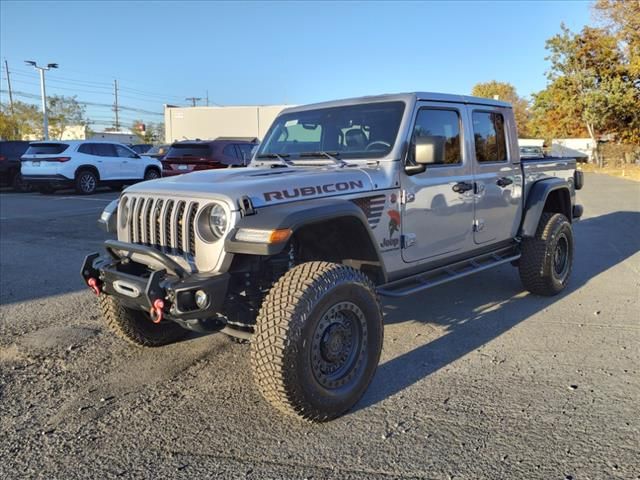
[(489, 137), (445, 124)]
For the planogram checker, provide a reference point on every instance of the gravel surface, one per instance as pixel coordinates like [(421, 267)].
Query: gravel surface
[(477, 379)]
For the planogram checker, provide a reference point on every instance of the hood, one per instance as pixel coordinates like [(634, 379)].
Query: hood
[(264, 186)]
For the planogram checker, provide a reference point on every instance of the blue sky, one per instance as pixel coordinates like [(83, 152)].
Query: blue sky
[(275, 52)]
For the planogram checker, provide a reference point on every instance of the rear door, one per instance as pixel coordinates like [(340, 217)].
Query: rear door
[(497, 175), (437, 210), (108, 163)]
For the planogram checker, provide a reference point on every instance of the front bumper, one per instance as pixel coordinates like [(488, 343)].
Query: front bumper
[(137, 286)]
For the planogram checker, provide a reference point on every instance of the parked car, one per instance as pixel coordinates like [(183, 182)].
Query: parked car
[(343, 202), (141, 148), (188, 156), (158, 151), (85, 165), (10, 153)]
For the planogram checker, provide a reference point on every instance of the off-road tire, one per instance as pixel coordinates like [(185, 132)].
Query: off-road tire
[(284, 345), (86, 182), (136, 327), (537, 265), (19, 185)]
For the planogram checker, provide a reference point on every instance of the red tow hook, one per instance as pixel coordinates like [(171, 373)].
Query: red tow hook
[(157, 310), (94, 285)]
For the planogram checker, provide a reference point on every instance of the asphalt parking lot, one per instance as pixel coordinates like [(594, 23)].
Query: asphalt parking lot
[(477, 380)]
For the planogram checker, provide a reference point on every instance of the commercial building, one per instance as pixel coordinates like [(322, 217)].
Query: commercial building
[(189, 123)]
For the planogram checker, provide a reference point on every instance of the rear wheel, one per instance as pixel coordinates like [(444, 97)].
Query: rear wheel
[(547, 258), (136, 327), (86, 182), (317, 341)]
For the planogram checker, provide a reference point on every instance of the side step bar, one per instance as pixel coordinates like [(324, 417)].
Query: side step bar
[(447, 273)]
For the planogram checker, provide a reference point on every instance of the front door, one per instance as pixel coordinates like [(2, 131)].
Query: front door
[(437, 208), (498, 177), (131, 167)]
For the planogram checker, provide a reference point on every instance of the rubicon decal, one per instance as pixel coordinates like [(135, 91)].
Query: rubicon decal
[(310, 191)]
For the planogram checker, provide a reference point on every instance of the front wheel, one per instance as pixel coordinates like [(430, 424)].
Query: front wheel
[(317, 341), (547, 258), (151, 174)]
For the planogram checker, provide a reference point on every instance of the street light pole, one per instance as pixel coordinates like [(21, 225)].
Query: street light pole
[(43, 93)]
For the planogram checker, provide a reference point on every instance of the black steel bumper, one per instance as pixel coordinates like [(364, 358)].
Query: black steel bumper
[(137, 286)]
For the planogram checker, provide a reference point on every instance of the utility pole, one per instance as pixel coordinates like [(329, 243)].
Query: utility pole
[(193, 100), (43, 93), (115, 105), (6, 67)]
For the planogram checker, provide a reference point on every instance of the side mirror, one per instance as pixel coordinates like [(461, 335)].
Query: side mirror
[(425, 150), (428, 150)]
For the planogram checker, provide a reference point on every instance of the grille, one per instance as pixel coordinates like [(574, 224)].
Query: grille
[(168, 225)]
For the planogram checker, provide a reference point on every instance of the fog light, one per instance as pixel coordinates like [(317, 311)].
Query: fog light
[(201, 299)]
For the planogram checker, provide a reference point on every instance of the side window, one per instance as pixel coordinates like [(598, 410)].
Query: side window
[(104, 150), (86, 148), (445, 124), (245, 150), (230, 151), (124, 152), (489, 137)]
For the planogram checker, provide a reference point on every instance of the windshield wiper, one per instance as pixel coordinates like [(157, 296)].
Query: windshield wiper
[(333, 156), (276, 156)]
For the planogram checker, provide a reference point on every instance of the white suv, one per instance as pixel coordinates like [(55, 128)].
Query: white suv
[(85, 164)]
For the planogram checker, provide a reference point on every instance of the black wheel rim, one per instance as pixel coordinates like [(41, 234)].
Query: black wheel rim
[(152, 175), (339, 344), (87, 183), (561, 257)]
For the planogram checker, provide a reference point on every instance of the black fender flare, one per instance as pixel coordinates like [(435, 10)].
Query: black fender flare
[(294, 216), (536, 200)]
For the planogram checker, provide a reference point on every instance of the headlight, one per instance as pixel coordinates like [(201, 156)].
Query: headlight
[(123, 212), (218, 220)]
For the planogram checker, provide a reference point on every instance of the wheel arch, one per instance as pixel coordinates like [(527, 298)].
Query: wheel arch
[(548, 195), (333, 230), (92, 168), (152, 167)]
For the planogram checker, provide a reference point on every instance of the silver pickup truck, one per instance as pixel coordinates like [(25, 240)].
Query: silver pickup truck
[(343, 202)]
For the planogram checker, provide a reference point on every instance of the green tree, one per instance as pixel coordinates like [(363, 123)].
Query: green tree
[(22, 121), (151, 133), (589, 84), (507, 93), (63, 112)]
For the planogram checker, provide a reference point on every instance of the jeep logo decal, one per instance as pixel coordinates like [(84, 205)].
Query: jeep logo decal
[(315, 190)]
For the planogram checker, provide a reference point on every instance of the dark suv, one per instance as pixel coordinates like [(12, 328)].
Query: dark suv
[(192, 155), (10, 153)]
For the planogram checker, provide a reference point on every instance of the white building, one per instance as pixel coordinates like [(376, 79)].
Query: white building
[(208, 123), (573, 147)]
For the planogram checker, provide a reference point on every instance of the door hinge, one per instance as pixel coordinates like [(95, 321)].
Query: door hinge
[(406, 197), (478, 225), (408, 240)]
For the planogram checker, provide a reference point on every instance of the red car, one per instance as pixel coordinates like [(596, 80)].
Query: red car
[(191, 155)]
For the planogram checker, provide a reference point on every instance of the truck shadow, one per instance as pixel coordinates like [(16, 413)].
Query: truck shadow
[(474, 311)]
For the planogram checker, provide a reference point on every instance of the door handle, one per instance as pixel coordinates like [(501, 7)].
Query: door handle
[(504, 181), (462, 187)]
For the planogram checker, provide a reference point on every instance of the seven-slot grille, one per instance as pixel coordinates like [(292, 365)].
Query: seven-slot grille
[(168, 225)]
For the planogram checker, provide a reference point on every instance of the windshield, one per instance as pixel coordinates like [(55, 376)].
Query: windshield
[(353, 131)]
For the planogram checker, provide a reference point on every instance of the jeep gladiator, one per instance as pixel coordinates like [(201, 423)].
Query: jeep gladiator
[(343, 202)]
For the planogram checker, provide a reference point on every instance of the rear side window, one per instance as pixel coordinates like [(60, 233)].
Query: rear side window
[(189, 150), (46, 148), (444, 124), (103, 150), (489, 136)]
